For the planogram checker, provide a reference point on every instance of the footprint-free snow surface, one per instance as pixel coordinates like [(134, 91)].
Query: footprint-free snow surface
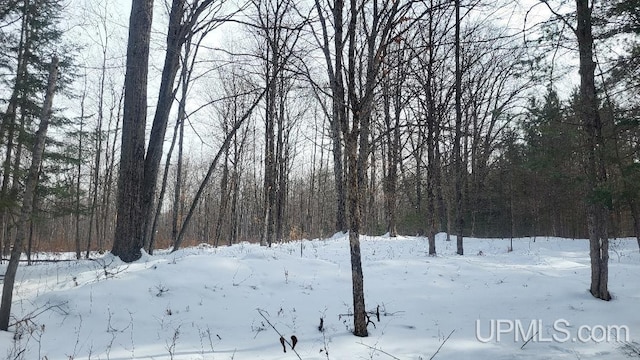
[(234, 302)]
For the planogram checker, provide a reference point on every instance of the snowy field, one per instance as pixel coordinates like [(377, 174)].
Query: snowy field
[(208, 303)]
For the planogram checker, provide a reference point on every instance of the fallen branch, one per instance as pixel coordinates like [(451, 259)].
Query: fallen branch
[(42, 260), (282, 338), (29, 318), (531, 338), (441, 345)]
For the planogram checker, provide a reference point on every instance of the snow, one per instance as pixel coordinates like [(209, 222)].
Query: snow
[(206, 303)]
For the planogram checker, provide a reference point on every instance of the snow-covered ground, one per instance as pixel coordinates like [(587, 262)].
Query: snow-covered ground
[(208, 303)]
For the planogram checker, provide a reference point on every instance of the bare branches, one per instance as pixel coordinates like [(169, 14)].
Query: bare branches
[(30, 317), (283, 339), (441, 345), (562, 17)]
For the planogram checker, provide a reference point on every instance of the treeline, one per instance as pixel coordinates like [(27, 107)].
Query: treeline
[(290, 122)]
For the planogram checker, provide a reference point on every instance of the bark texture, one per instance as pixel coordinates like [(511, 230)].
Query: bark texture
[(129, 231), (597, 211)]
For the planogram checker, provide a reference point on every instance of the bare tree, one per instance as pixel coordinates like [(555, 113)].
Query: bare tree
[(214, 163), (231, 110), (379, 25), (279, 28), (185, 19), (338, 118)]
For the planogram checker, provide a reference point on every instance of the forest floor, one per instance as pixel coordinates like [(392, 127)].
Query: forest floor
[(234, 302)]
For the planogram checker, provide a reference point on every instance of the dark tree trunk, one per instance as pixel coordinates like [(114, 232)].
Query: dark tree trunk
[(357, 277), (175, 39), (163, 189), (129, 232), (269, 153), (353, 178), (79, 176), (391, 173), (432, 145), (178, 136), (457, 143), (235, 192), (597, 210), (224, 199), (338, 116), (28, 199), (282, 158)]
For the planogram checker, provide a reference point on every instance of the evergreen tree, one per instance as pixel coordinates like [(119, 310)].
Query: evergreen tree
[(551, 153), (31, 29)]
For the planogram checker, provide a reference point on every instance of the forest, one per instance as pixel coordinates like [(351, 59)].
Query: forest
[(276, 120)]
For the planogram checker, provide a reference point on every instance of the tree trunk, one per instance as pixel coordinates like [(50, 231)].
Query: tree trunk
[(129, 233), (163, 189), (354, 180), (457, 143), (79, 176), (175, 39), (597, 211), (110, 159), (338, 116), (28, 198), (177, 190), (196, 199), (392, 135), (224, 199), (94, 213), (357, 277), (432, 145), (272, 63)]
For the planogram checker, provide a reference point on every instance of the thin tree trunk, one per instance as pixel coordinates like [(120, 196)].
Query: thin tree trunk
[(392, 132), (79, 176), (269, 152), (338, 118), (224, 198), (235, 190), (432, 145), (459, 219), (163, 189), (282, 158), (212, 166), (94, 213), (110, 159), (175, 39), (28, 198), (177, 191)]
